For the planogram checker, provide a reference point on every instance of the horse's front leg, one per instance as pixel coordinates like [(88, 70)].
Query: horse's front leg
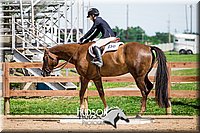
[(99, 86), (84, 85)]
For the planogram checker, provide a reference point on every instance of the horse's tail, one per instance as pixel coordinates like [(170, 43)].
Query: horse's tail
[(161, 85)]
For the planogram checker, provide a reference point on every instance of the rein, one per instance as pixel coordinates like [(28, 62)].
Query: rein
[(58, 68)]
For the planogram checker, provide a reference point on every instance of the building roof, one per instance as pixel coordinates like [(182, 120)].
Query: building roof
[(189, 36)]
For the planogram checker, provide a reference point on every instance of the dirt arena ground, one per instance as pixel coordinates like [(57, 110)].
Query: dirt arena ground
[(52, 124)]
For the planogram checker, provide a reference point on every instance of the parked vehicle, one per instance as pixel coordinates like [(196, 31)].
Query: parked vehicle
[(186, 43)]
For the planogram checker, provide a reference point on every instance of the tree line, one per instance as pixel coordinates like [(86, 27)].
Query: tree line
[(137, 34)]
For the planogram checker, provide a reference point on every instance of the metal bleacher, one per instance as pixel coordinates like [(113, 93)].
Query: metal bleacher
[(29, 26)]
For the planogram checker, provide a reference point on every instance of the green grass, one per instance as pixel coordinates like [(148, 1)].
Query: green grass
[(186, 72), (185, 86), (130, 105), (175, 57), (44, 105), (107, 85), (175, 86)]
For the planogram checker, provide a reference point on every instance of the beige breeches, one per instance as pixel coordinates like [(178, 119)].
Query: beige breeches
[(104, 41)]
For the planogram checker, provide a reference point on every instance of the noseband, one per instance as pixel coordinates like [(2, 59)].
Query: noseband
[(57, 68), (46, 63)]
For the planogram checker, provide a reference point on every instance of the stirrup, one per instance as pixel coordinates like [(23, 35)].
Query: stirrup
[(98, 63)]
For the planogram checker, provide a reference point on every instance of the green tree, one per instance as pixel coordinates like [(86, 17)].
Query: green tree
[(137, 34), (120, 33), (132, 34), (160, 38)]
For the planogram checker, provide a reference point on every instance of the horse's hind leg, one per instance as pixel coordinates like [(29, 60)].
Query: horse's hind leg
[(99, 86), (149, 85), (144, 91)]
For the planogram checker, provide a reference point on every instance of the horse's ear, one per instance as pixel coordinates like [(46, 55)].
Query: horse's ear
[(51, 55), (46, 50)]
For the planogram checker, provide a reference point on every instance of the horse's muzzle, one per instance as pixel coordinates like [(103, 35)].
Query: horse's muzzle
[(44, 73)]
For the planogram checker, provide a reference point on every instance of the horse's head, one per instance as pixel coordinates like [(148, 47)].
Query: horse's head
[(50, 60)]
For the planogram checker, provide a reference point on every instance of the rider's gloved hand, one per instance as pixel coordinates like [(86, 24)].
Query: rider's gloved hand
[(83, 40)]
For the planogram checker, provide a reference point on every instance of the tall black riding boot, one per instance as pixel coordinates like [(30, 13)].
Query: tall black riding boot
[(98, 60)]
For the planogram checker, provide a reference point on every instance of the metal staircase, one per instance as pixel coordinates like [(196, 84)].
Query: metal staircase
[(25, 36), (37, 72)]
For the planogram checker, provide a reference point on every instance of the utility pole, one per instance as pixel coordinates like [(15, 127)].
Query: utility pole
[(65, 11), (88, 21), (22, 21), (127, 11), (191, 19), (169, 36), (32, 17), (83, 16), (77, 29), (127, 15), (71, 21), (186, 18)]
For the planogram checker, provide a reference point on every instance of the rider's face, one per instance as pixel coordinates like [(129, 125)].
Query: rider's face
[(92, 17)]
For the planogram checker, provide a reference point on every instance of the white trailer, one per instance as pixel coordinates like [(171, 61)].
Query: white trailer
[(186, 43)]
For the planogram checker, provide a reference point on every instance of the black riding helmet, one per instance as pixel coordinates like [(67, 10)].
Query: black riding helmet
[(93, 11)]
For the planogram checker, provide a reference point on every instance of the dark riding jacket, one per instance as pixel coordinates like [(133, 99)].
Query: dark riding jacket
[(99, 25)]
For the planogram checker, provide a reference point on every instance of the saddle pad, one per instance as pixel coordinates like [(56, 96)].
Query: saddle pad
[(109, 47), (112, 47)]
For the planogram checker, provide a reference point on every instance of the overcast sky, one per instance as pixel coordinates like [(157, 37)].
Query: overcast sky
[(153, 16)]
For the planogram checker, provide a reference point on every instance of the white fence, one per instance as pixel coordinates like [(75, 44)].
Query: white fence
[(165, 46)]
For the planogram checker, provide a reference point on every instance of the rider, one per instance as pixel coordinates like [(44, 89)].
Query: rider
[(102, 26)]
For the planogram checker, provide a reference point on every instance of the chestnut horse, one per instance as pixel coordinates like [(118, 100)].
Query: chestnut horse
[(134, 58)]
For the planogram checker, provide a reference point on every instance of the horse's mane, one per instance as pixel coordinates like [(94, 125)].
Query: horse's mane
[(69, 47), (71, 44)]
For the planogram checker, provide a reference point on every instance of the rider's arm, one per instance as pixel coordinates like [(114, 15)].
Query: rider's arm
[(90, 38), (91, 31), (95, 34)]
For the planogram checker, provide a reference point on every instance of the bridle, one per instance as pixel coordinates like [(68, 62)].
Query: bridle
[(59, 67), (46, 66)]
